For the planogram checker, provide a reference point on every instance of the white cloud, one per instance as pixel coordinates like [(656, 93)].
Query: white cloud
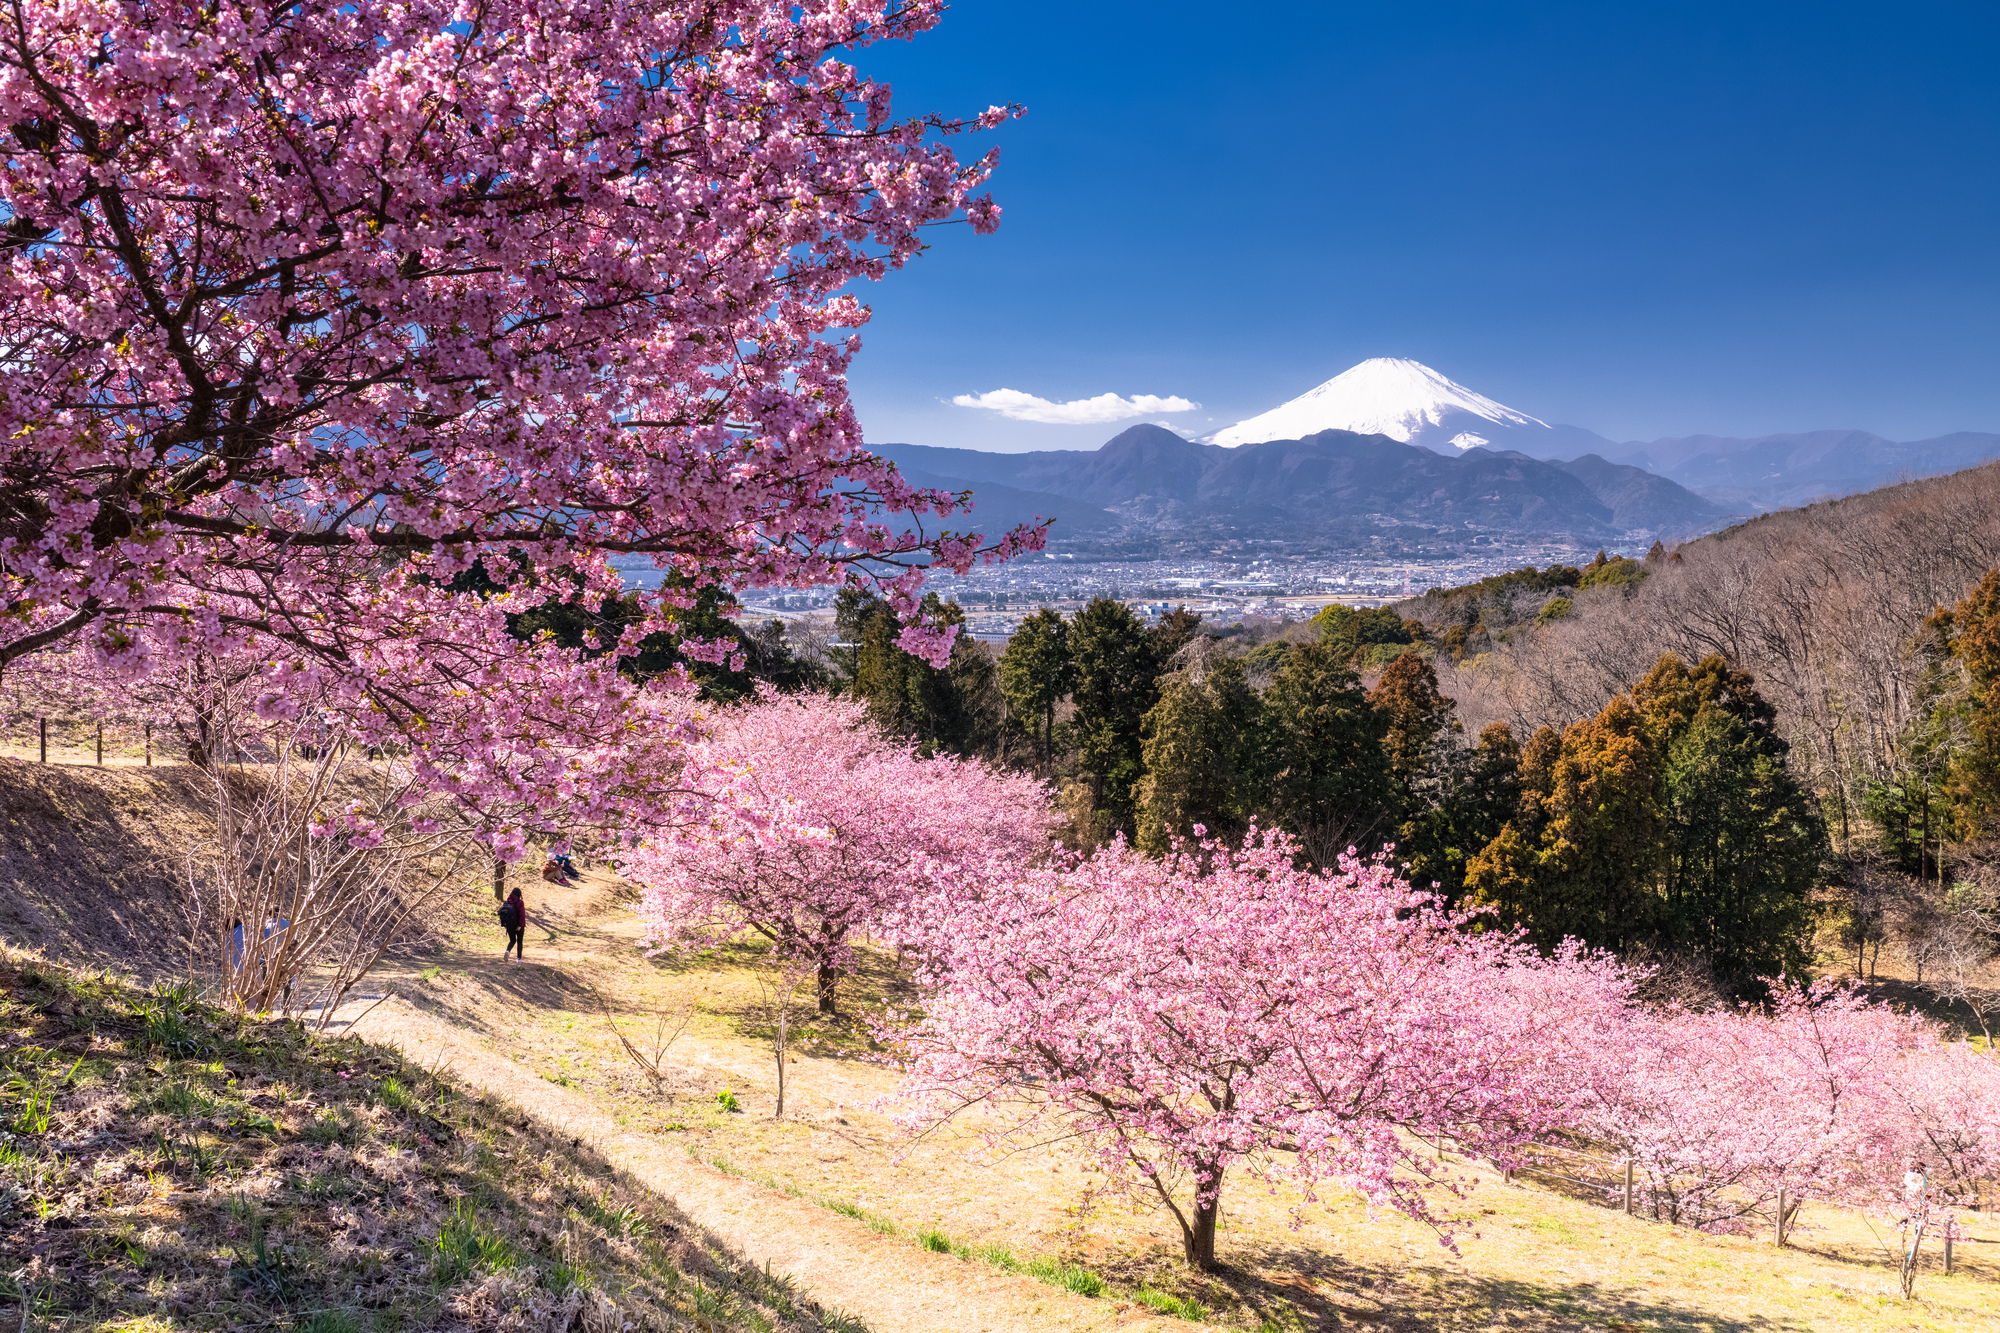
[(1077, 412)]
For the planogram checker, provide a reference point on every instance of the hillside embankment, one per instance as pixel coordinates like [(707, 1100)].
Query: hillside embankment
[(93, 861), (940, 1232), (168, 1166)]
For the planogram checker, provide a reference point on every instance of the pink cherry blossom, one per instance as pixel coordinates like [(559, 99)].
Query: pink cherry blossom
[(311, 311), (815, 830), (1221, 1007)]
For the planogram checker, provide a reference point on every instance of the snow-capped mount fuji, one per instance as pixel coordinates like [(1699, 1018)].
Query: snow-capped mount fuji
[(1412, 404)]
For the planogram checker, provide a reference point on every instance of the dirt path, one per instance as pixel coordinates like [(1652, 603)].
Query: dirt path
[(889, 1283)]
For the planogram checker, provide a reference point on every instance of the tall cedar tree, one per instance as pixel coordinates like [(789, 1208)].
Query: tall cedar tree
[(1580, 859), (1331, 785), (1745, 849), (1971, 632), (1036, 674), (953, 710), (1201, 756), (1174, 631), (1479, 790), (1117, 662), (1744, 845), (1418, 729)]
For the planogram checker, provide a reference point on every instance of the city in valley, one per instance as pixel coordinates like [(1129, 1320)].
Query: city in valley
[(1246, 580)]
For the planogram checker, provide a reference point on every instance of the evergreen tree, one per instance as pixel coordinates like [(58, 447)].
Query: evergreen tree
[(1116, 664), (1330, 779), (1745, 849), (759, 655), (1415, 716), (1970, 633), (1416, 740), (1587, 871), (1669, 820), (955, 710), (1371, 636), (1200, 757), (1172, 632), (1478, 790), (1036, 674)]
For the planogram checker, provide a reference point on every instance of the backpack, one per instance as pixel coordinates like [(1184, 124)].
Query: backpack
[(510, 915)]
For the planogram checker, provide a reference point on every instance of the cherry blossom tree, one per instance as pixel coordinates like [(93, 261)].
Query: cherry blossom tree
[(1819, 1095), (1721, 1111), (1220, 1007), (819, 830), (312, 311)]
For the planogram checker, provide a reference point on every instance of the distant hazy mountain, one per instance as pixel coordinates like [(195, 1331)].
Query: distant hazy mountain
[(1413, 404), (1332, 485), (1773, 471), (1641, 500)]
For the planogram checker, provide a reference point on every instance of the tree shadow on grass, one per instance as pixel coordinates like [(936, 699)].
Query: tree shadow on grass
[(1311, 1290), (874, 982), (502, 994)]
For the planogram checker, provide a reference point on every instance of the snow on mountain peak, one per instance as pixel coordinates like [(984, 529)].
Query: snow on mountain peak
[(1385, 395)]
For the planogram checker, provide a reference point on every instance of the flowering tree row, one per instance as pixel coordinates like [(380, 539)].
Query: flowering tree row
[(1819, 1095), (1220, 1010)]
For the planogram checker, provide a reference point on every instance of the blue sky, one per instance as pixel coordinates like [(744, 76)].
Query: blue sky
[(1645, 219)]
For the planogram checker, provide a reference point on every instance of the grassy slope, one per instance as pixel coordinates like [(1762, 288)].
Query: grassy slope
[(166, 1166)]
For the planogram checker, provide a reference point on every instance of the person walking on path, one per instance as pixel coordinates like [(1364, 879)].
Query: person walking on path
[(514, 916)]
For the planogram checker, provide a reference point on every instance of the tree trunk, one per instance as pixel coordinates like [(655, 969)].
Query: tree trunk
[(1199, 1237), (828, 980), (784, 1015)]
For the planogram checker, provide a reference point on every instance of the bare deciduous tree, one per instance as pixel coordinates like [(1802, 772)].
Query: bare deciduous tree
[(1955, 947), (319, 863), (669, 1022), (777, 987)]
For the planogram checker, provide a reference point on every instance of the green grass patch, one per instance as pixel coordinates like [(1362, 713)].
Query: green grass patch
[(466, 1247), (1180, 1307), (875, 1222), (1070, 1277)]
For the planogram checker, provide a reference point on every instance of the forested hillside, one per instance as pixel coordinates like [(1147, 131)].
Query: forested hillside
[(1700, 758), (1863, 625), (1829, 608)]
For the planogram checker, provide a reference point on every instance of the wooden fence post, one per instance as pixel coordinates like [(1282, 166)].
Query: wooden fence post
[(1783, 1198), (1947, 1251), (45, 739), (100, 745), (1628, 1187), (149, 745)]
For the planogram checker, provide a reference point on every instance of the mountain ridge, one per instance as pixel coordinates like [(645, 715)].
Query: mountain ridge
[(1334, 485)]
